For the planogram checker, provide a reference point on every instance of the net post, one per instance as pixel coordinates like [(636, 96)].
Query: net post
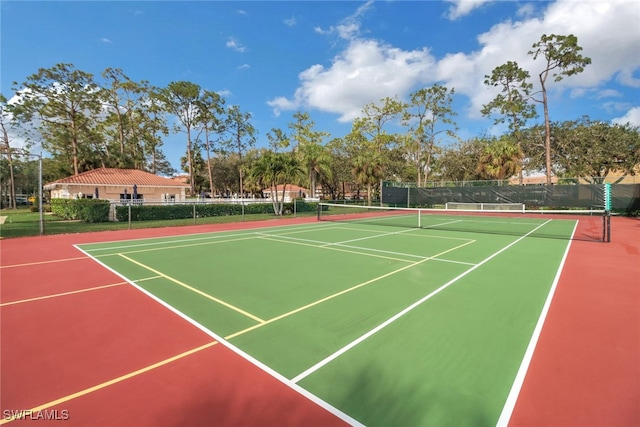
[(318, 208), (607, 213), (419, 218)]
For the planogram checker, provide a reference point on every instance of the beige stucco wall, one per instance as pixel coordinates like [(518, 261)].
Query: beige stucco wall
[(111, 192)]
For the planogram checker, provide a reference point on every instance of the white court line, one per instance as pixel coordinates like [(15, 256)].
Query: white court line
[(510, 403), (204, 236), (422, 235), (277, 376), (383, 325), (333, 246), (326, 245), (282, 240)]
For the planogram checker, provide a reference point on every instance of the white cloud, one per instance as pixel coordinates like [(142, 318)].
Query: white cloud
[(526, 10), (349, 27), (367, 70), (608, 93), (602, 30), (234, 44), (632, 117), (244, 67), (106, 40), (461, 8), (290, 22)]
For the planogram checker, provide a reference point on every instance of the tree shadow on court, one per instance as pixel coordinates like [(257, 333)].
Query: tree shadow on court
[(221, 405), (372, 396), (376, 398)]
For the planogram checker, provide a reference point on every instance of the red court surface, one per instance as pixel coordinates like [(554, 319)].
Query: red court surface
[(105, 355), (586, 368), (96, 351)]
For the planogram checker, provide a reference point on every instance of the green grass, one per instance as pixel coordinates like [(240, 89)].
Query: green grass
[(295, 295), (22, 223)]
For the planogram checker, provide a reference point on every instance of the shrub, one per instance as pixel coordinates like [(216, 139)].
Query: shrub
[(178, 211), (86, 210)]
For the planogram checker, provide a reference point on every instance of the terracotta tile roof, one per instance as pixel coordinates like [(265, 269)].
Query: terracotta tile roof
[(129, 177)]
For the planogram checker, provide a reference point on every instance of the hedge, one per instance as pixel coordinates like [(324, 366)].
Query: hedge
[(176, 211), (86, 210)]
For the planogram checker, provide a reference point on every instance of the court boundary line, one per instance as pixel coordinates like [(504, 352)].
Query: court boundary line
[(111, 381), (240, 237), (208, 234), (274, 374), (518, 382), (400, 314)]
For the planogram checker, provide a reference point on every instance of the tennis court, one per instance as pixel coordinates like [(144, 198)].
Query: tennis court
[(384, 325)]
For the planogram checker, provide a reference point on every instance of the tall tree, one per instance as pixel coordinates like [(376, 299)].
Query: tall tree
[(593, 149), (459, 162), (369, 133), (154, 127), (513, 103), (7, 150), (181, 100), (242, 136), (562, 59), (120, 98), (65, 106), (309, 148), (429, 116), (211, 121), (339, 182), (278, 139)]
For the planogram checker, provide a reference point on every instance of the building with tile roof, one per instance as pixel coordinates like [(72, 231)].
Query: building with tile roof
[(292, 192), (117, 184)]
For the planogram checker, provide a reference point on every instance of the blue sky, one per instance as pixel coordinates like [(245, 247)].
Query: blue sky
[(330, 59)]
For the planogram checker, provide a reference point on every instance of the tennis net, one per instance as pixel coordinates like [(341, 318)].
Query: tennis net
[(590, 225)]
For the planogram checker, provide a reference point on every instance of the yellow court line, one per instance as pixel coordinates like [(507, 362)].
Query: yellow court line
[(147, 278), (44, 262), (111, 382), (192, 289), (375, 279), (62, 294), (333, 249)]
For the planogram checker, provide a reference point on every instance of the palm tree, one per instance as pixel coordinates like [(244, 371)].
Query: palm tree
[(317, 161), (368, 168), (273, 169), (500, 160)]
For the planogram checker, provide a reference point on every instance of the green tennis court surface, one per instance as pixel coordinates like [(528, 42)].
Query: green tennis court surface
[(390, 325)]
